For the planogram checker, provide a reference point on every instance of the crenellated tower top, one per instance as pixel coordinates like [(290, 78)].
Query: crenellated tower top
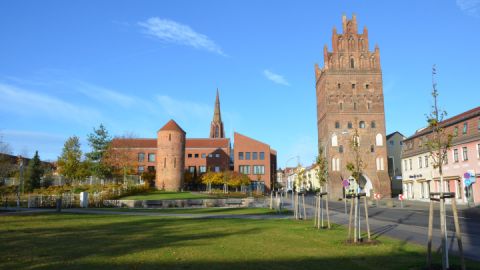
[(350, 50)]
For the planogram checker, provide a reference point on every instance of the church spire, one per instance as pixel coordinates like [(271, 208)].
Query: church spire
[(216, 127)]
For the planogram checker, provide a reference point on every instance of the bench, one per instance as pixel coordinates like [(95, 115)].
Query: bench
[(237, 202)]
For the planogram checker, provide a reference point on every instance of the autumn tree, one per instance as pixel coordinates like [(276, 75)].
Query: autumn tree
[(120, 157), (70, 162), (7, 167)]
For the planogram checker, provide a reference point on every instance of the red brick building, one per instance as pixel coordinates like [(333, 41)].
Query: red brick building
[(349, 95), (255, 159), (201, 154)]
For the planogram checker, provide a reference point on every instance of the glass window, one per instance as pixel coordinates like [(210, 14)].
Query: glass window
[(340, 105), (196, 155), (247, 155), (349, 125), (390, 142), (189, 155), (141, 157), (202, 169), (410, 161), (337, 124), (455, 155), (420, 162), (478, 150), (217, 168), (141, 169), (262, 155), (405, 165), (367, 86), (426, 161), (372, 148), (151, 157), (362, 124), (353, 86), (254, 155), (258, 169), (191, 169), (465, 128), (204, 155), (373, 124), (240, 155), (217, 155), (340, 149), (465, 153), (245, 169), (455, 131), (210, 155)]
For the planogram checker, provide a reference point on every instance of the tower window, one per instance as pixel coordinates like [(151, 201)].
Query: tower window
[(349, 125), (339, 85), (373, 125), (367, 86), (340, 149), (353, 86), (362, 124), (352, 63), (337, 124), (372, 148)]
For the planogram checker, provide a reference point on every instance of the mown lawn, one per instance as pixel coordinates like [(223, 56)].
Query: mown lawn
[(81, 241), (211, 210)]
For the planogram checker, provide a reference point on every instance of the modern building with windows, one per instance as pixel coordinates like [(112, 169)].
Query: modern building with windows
[(394, 153), (350, 99), (461, 170), (255, 159), (252, 157)]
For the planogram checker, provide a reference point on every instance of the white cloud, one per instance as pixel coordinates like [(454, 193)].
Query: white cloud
[(184, 109), (276, 78), (105, 95), (173, 32), (471, 7), (25, 102)]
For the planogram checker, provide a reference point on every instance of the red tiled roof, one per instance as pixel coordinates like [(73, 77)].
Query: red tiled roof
[(134, 143), (172, 125), (450, 121), (208, 143)]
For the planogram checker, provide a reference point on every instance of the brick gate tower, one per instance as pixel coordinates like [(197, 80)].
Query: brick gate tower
[(170, 157), (349, 95)]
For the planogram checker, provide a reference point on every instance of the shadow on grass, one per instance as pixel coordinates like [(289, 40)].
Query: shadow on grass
[(68, 241)]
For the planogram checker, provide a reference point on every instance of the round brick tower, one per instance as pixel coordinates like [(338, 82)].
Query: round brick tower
[(170, 157)]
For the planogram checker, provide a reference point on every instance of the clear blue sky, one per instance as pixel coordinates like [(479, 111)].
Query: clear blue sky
[(66, 67)]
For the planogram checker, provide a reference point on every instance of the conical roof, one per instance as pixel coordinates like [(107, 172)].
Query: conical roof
[(173, 126)]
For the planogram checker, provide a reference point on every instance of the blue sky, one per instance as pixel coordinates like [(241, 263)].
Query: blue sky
[(68, 66)]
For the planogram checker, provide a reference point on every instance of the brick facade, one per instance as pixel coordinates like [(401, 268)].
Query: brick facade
[(349, 95), (170, 157)]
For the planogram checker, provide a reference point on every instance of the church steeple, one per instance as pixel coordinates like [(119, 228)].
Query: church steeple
[(216, 127)]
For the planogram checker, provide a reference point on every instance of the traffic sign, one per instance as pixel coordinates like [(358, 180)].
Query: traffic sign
[(400, 197), (345, 183), (376, 196)]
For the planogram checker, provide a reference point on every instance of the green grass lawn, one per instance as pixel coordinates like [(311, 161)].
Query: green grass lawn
[(74, 241), (213, 210), (164, 195)]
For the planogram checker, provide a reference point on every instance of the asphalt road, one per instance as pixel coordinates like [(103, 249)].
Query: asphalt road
[(411, 224)]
